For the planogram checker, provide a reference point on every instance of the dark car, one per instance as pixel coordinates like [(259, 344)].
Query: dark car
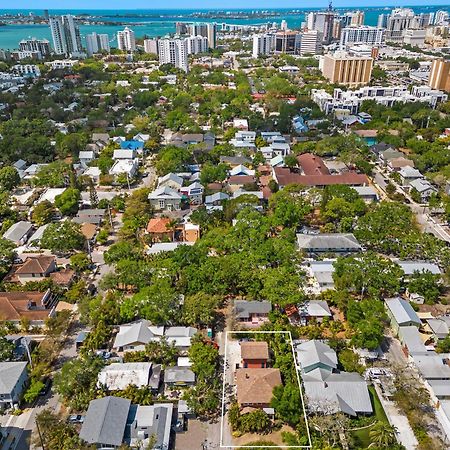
[(47, 386)]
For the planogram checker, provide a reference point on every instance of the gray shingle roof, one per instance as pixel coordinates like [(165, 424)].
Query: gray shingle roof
[(10, 372), (328, 242), (244, 308), (17, 231), (105, 421), (402, 310), (314, 352), (178, 374)]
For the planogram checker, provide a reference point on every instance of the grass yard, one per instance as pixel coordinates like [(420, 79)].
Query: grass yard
[(362, 438)]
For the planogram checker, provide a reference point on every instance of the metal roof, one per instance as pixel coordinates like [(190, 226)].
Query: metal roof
[(402, 310), (244, 308), (10, 373), (105, 421)]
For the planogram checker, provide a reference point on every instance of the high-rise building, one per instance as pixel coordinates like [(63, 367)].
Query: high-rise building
[(39, 46), (323, 22), (440, 75), (287, 42), (175, 52), (310, 43), (97, 43), (66, 35), (343, 68), (151, 46), (362, 35), (212, 35), (126, 40), (398, 21), (283, 25), (263, 44), (441, 17), (196, 44), (46, 15), (356, 18), (181, 28), (207, 30)]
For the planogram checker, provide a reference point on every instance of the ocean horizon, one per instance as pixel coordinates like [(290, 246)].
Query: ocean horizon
[(162, 21)]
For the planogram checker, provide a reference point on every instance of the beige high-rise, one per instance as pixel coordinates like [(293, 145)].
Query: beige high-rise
[(440, 75), (343, 68)]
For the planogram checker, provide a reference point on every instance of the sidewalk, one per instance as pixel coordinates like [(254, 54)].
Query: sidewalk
[(405, 434)]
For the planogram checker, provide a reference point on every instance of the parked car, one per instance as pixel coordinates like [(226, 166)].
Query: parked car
[(103, 354), (75, 418), (46, 388)]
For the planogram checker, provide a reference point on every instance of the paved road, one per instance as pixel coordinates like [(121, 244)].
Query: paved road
[(425, 221)]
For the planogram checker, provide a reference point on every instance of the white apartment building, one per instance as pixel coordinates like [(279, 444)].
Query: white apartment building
[(362, 35), (399, 20), (263, 44), (66, 35), (26, 70), (196, 44), (310, 43), (151, 46), (41, 46), (387, 96), (126, 40), (175, 52), (97, 43)]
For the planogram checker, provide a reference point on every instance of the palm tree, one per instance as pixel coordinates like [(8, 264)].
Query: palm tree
[(382, 435)]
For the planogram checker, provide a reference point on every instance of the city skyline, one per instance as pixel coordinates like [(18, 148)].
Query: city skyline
[(218, 5)]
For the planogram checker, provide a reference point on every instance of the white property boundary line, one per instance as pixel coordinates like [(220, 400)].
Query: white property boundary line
[(299, 384)]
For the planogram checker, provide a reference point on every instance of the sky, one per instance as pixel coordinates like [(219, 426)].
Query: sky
[(198, 4)]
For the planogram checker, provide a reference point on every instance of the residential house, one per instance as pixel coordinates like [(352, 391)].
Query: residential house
[(408, 174), (160, 229), (277, 161), (86, 157), (234, 161), (124, 153), (103, 137), (316, 310), (327, 390), (252, 313), (341, 243), (321, 273), (35, 269), (33, 306), (396, 164), (165, 198), (171, 180), (105, 422), (141, 137), (214, 201), (239, 181), (149, 425), (13, 381), (94, 216), (117, 376), (194, 192), (241, 170), (386, 155), (135, 335), (175, 377), (128, 167), (439, 327), (401, 313), (191, 232), (162, 247), (367, 193), (424, 188), (255, 386), (19, 232), (137, 146), (254, 355)]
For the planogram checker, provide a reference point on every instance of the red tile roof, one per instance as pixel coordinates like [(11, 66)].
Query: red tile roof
[(312, 164), (15, 305), (159, 225), (284, 177), (39, 264)]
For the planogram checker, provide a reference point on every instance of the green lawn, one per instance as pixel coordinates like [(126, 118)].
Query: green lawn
[(362, 439)]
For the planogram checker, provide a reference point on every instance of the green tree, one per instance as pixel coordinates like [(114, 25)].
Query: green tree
[(6, 256), (76, 382), (43, 213), (9, 178), (426, 284), (382, 435), (349, 361), (80, 262), (199, 309), (53, 175), (287, 403), (162, 352), (33, 390), (6, 348), (63, 237), (68, 201)]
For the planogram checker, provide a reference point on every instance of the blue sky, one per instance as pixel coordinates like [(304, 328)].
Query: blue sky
[(197, 4)]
